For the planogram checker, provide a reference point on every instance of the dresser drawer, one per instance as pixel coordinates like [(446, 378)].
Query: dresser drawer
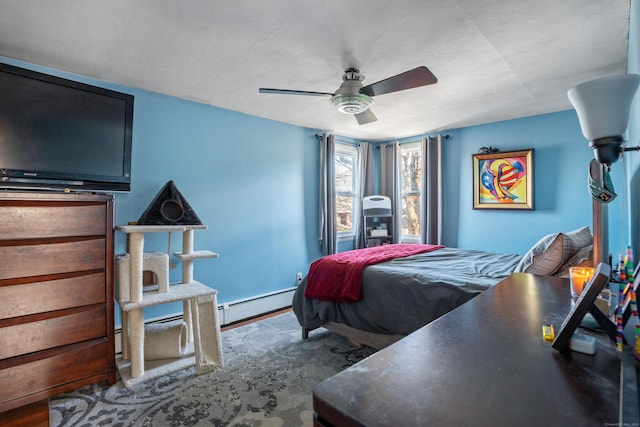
[(52, 258), (76, 326), (41, 297), (56, 372), (37, 220)]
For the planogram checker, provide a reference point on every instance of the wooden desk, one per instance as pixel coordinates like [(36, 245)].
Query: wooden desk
[(483, 364)]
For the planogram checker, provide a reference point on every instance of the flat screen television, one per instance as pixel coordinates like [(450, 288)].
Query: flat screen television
[(59, 134)]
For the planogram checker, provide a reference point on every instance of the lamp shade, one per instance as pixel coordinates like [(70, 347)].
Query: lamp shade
[(603, 105)]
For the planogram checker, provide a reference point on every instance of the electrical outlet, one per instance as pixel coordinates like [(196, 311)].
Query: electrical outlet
[(298, 278)]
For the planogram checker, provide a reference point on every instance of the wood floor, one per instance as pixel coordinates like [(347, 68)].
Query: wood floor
[(254, 319)]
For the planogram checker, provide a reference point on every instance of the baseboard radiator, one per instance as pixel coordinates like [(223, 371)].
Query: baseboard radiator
[(235, 311)]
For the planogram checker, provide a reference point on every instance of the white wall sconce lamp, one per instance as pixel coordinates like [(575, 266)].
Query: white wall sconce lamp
[(603, 108)]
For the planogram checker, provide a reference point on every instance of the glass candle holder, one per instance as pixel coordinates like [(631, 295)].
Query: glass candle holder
[(579, 276)]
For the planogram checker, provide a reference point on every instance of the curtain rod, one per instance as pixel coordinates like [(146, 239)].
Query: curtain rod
[(445, 136), (340, 140)]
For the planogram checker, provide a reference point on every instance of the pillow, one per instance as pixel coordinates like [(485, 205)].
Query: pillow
[(582, 258), (553, 250), (575, 240), (544, 258)]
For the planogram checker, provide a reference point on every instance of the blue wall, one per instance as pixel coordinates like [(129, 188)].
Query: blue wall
[(244, 177), (561, 199)]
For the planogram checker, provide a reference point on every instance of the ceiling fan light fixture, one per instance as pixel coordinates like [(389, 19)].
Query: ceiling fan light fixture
[(351, 104), (348, 99)]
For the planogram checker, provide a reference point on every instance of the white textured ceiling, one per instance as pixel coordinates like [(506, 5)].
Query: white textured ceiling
[(495, 59)]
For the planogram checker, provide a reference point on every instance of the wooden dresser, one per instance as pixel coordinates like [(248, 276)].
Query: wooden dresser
[(56, 299)]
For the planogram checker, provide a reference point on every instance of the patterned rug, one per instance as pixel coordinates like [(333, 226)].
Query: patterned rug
[(267, 380)]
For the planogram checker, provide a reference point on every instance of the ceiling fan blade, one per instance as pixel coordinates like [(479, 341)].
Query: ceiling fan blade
[(366, 117), (420, 76), (293, 92)]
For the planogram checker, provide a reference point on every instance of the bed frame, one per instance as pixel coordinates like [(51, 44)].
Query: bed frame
[(358, 337)]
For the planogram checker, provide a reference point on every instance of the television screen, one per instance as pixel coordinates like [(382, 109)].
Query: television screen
[(61, 134)]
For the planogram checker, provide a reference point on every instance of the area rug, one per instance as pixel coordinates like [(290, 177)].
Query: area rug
[(267, 380)]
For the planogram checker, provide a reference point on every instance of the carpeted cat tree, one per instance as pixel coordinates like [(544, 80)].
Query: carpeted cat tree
[(158, 349)]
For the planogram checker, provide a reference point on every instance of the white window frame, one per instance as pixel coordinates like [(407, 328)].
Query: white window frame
[(347, 150), (410, 146)]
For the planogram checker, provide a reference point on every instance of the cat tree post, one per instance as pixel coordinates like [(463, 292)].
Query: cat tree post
[(187, 277), (136, 317)]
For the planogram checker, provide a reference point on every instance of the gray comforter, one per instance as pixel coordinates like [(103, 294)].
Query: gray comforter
[(402, 295)]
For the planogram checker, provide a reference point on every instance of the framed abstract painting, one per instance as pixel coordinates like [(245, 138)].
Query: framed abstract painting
[(503, 180)]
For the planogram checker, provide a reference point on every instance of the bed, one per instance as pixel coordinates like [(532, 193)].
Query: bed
[(403, 294)]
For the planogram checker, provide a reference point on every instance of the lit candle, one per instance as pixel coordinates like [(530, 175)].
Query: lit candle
[(579, 277)]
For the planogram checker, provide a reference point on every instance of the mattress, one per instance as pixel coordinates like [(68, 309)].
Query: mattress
[(404, 294)]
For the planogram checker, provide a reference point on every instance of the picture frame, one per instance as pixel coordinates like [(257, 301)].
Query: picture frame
[(584, 303), (503, 180)]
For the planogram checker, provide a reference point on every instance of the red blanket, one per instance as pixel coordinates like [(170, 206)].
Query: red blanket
[(338, 277)]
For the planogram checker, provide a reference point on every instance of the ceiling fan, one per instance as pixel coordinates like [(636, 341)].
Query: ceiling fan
[(354, 98)]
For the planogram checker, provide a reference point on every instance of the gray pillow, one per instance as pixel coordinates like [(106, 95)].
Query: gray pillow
[(544, 258), (575, 240), (553, 250)]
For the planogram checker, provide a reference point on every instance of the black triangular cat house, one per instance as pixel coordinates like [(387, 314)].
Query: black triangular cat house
[(169, 207)]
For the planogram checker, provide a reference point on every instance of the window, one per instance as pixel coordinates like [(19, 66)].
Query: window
[(346, 161), (411, 184)]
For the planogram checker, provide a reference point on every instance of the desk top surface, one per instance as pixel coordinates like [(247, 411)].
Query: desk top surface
[(485, 363)]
